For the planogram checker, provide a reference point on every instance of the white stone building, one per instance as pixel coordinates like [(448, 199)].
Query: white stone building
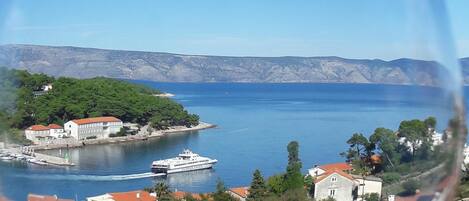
[(40, 133), (91, 128)]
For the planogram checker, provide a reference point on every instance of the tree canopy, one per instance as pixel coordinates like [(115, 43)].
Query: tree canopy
[(74, 98)]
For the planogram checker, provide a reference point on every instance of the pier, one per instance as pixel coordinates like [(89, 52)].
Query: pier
[(29, 155)]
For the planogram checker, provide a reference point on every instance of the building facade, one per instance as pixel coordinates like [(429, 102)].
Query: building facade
[(367, 185), (39, 133), (335, 184), (336, 181), (93, 128)]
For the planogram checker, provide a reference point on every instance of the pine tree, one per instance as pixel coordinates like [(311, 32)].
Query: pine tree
[(258, 189), (293, 177)]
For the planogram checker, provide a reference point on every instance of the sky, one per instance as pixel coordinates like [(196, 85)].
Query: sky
[(366, 29)]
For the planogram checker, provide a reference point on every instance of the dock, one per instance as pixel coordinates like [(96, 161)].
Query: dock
[(39, 158)]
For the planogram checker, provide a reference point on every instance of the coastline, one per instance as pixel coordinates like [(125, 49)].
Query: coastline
[(124, 139)]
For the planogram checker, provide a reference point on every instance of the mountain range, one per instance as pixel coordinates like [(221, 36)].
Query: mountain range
[(166, 67)]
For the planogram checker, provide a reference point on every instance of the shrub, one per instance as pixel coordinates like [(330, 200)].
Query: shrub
[(410, 187), (391, 177)]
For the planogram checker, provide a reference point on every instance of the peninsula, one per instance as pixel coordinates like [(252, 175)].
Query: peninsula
[(41, 104)]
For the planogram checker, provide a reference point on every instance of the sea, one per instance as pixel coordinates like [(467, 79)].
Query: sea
[(255, 122)]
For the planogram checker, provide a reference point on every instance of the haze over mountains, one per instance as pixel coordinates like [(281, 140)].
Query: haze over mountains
[(166, 67)]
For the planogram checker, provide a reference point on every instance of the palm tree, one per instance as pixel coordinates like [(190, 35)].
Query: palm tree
[(161, 189)]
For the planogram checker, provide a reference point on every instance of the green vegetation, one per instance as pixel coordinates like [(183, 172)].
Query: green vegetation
[(372, 197), (411, 187), (285, 186), (221, 194), (396, 156), (463, 188), (258, 188), (73, 98)]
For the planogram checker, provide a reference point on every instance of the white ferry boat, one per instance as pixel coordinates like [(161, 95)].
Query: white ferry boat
[(186, 161)]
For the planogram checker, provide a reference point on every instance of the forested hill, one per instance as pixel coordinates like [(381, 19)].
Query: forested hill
[(72, 98), (88, 62)]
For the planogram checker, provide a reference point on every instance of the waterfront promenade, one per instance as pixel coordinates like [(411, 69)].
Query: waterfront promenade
[(144, 135), (31, 151)]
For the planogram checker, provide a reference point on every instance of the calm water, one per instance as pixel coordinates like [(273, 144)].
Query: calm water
[(256, 121)]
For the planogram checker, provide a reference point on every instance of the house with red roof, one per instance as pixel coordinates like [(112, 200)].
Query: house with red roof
[(35, 197), (319, 170), (334, 183), (241, 193), (124, 196), (92, 128), (337, 181), (41, 133)]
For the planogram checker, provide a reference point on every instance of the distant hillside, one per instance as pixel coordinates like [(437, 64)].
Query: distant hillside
[(165, 67)]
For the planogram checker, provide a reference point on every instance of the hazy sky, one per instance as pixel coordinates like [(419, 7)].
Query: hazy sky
[(346, 28)]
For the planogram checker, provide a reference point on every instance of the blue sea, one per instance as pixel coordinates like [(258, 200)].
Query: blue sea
[(255, 123)]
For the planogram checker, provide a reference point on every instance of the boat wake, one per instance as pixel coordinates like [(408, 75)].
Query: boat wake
[(92, 177)]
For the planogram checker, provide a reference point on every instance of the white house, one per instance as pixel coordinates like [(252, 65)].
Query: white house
[(335, 184), (40, 133), (47, 87), (335, 180), (437, 138), (367, 185), (96, 127), (56, 131)]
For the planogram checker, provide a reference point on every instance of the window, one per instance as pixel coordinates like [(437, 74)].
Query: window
[(334, 179), (332, 192)]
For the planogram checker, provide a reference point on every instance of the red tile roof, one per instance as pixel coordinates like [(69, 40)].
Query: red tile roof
[(34, 197), (331, 172), (54, 126), (241, 191), (132, 196), (96, 120), (38, 128), (336, 166)]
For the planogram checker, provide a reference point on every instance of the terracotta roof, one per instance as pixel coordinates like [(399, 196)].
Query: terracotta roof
[(54, 126), (38, 128), (132, 196), (241, 191), (376, 159), (180, 195), (336, 166), (96, 120), (329, 173), (34, 197)]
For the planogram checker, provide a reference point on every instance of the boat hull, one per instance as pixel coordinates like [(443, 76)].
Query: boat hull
[(183, 169)]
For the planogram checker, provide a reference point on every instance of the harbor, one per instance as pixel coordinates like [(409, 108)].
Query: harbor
[(73, 143), (28, 155)]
